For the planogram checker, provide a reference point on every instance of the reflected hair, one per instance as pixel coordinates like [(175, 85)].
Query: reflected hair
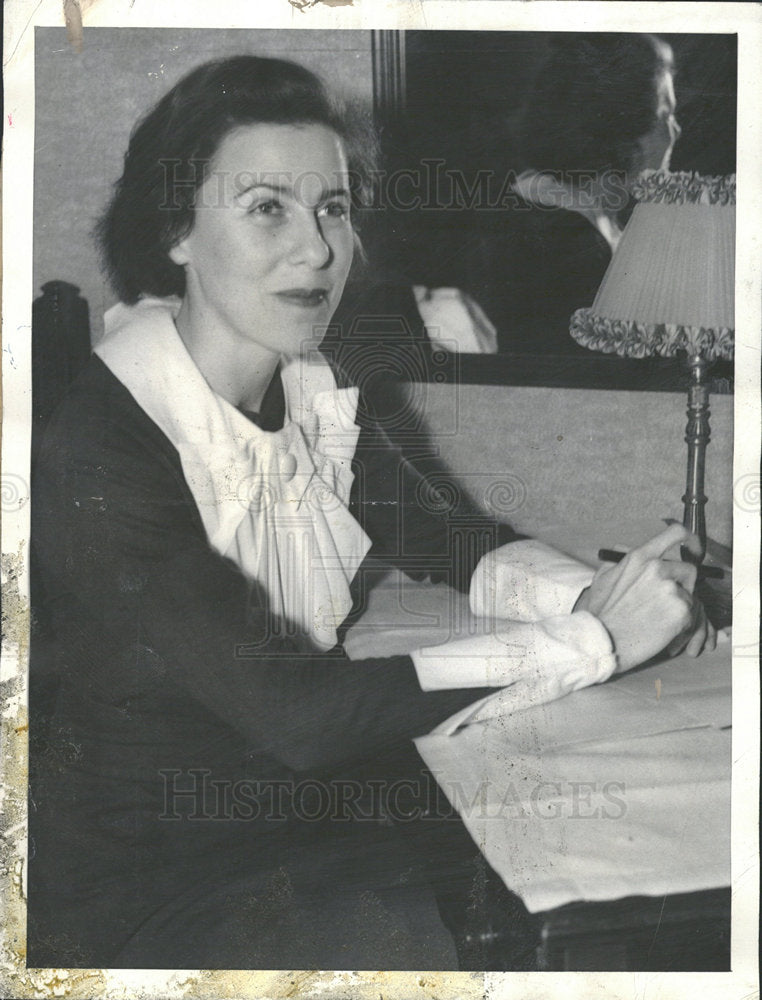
[(172, 147), (593, 99)]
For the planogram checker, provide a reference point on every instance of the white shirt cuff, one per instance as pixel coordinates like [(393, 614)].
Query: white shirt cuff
[(555, 656), (527, 581)]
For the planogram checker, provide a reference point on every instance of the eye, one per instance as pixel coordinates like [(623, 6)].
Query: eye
[(334, 210), (271, 208)]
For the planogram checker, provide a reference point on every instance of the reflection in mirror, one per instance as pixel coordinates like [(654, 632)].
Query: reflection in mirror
[(508, 162)]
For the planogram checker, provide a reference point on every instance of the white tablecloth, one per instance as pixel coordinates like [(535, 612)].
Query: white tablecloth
[(618, 790), (621, 789)]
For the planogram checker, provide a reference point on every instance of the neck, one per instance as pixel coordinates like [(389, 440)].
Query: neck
[(239, 370), (592, 200), (595, 203)]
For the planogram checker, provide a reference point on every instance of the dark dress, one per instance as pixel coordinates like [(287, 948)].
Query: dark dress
[(533, 271), (167, 785)]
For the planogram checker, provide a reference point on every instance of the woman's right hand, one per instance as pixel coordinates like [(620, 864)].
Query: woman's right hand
[(646, 602)]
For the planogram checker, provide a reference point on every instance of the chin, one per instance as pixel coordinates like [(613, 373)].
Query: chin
[(293, 346)]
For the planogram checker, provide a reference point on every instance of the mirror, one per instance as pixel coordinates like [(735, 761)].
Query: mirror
[(448, 215)]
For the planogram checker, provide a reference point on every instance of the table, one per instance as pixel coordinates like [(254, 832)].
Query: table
[(685, 932), (617, 790), (608, 809)]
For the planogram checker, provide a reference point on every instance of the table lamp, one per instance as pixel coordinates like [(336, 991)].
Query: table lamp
[(669, 291)]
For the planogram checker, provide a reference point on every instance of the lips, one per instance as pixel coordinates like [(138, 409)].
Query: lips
[(304, 298)]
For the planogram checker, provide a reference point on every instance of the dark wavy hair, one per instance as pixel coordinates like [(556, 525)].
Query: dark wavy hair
[(593, 99), (171, 148)]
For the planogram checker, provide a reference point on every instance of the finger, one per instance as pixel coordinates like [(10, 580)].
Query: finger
[(598, 594), (711, 637), (697, 640), (655, 548), (701, 630), (683, 573), (693, 545), (604, 578), (710, 642), (633, 564), (622, 575)]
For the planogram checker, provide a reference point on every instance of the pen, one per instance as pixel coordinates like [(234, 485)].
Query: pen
[(704, 572)]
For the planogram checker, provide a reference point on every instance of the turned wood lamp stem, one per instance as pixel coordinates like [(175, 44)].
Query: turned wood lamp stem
[(697, 438), (669, 290)]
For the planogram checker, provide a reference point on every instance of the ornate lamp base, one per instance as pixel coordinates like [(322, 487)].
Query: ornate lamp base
[(697, 438)]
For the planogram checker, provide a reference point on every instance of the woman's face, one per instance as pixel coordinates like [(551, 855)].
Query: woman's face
[(272, 242), (655, 147)]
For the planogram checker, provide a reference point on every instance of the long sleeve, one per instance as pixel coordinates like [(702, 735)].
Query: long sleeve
[(413, 526), (526, 581), (551, 657), (132, 581), (529, 588), (540, 647)]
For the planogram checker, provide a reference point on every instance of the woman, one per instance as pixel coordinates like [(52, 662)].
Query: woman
[(601, 109), (203, 500)]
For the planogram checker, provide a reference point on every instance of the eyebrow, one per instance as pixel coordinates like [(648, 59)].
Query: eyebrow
[(288, 190)]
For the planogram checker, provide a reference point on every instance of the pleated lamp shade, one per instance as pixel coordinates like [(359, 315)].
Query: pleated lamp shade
[(670, 285)]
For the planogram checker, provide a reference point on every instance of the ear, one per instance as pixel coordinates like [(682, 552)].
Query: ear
[(179, 253)]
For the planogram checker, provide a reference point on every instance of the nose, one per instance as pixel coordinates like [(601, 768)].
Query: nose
[(309, 243)]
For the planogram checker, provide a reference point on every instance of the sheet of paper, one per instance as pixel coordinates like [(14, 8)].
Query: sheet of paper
[(644, 816), (622, 789), (682, 693)]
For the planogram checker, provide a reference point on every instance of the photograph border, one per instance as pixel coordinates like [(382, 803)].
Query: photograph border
[(20, 19)]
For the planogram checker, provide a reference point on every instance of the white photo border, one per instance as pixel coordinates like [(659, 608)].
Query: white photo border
[(21, 16)]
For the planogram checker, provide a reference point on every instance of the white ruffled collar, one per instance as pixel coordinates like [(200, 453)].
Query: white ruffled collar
[(273, 501)]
